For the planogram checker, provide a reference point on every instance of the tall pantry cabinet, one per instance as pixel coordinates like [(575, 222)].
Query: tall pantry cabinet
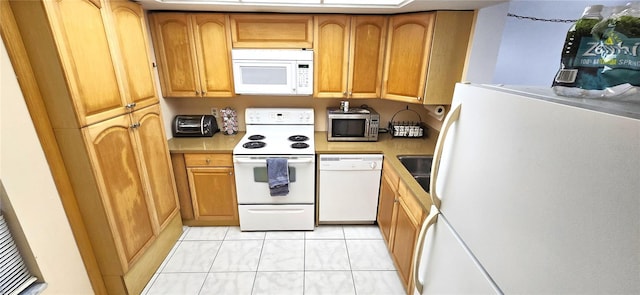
[(91, 62)]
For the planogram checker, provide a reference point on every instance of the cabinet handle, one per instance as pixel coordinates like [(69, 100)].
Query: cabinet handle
[(197, 92), (135, 125), (395, 200), (130, 105), (208, 161), (204, 93), (419, 98), (350, 93)]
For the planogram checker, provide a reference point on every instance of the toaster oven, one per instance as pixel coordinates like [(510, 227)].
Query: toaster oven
[(194, 126)]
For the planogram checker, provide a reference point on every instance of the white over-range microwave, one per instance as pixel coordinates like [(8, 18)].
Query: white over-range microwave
[(273, 71)]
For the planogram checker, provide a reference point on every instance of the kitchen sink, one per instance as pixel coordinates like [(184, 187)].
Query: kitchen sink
[(420, 168)]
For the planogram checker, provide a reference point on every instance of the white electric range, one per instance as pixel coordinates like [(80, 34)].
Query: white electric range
[(276, 133)]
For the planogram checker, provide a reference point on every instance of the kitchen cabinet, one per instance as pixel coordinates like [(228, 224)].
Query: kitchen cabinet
[(271, 30), (84, 62), (91, 67), (399, 218), (348, 55), (425, 56), (130, 30), (193, 53), (209, 190), (388, 196)]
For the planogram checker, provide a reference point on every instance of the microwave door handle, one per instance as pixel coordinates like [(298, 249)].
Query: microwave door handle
[(202, 125), (367, 132)]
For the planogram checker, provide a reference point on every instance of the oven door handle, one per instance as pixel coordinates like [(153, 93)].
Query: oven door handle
[(264, 161)]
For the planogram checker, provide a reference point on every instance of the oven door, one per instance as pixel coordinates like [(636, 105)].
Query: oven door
[(252, 186)]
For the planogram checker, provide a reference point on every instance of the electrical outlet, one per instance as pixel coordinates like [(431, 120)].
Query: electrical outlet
[(214, 112)]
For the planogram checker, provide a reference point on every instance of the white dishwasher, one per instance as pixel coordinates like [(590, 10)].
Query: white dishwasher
[(348, 188)]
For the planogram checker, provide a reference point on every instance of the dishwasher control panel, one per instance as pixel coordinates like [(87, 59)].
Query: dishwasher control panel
[(351, 162)]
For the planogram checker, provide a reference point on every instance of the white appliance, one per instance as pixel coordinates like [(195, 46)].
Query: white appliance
[(276, 133), (534, 194), (272, 71), (348, 188)]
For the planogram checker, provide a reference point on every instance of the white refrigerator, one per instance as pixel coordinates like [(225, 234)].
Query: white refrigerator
[(534, 194)]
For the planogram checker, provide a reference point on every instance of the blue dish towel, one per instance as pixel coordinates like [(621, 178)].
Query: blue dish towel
[(278, 175)]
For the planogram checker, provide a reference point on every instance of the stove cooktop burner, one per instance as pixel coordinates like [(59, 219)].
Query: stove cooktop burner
[(298, 138), (256, 137), (254, 144), (299, 145)]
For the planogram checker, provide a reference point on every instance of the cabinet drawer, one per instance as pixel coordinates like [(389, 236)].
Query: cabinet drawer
[(271, 31), (411, 203), (206, 160)]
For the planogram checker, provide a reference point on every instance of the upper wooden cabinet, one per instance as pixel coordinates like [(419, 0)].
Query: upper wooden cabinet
[(451, 37), (348, 56), (74, 33), (103, 54), (425, 56), (271, 30), (130, 31), (193, 54), (407, 56)]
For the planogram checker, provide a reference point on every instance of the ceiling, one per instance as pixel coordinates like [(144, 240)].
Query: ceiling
[(318, 6)]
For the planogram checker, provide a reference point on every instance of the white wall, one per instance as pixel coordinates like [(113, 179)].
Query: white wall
[(29, 185), (530, 50), (487, 36)]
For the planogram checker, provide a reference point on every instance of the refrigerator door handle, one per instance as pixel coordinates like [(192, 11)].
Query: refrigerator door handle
[(451, 118), (417, 254)]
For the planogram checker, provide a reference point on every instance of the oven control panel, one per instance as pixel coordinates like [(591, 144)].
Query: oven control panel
[(279, 116)]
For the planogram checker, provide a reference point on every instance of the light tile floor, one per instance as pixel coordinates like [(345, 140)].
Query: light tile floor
[(332, 259)]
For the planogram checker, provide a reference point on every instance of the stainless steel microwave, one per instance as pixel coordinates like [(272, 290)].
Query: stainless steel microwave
[(355, 124)]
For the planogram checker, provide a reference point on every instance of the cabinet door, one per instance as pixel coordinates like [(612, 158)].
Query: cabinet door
[(271, 30), (175, 54), (386, 204), (366, 56), (156, 163), (213, 194), (112, 148), (213, 50), (407, 56), (331, 55), (405, 235), (87, 59), (131, 35)]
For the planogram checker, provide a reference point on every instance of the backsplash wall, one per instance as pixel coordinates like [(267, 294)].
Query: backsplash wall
[(386, 108)]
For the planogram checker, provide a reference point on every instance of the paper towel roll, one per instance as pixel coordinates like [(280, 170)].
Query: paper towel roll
[(436, 111)]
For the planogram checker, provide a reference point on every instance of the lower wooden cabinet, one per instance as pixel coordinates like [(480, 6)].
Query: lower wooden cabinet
[(121, 174), (206, 188), (399, 218)]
